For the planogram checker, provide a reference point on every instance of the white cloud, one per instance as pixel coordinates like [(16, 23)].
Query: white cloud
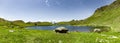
[(47, 2)]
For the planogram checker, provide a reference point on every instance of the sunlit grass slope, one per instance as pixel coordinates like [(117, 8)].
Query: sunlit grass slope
[(108, 15)]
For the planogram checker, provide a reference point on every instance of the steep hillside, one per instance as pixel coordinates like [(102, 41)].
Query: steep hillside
[(4, 22), (108, 15)]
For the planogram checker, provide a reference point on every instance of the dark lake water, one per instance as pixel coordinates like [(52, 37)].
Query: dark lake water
[(70, 28)]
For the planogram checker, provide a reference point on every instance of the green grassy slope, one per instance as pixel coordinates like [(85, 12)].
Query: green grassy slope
[(108, 15), (4, 22)]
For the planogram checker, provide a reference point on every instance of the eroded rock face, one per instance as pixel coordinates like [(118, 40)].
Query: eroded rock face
[(61, 30)]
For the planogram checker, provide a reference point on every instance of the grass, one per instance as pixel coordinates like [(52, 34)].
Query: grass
[(106, 16), (44, 36)]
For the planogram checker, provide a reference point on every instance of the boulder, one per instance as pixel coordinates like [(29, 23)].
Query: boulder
[(61, 30), (97, 30)]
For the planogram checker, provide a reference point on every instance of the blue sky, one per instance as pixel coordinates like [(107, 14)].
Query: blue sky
[(49, 10)]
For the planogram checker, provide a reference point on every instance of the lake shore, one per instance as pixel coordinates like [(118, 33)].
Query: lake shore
[(43, 36)]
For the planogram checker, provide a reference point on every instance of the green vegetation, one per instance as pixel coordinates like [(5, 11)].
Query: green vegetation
[(4, 22), (108, 15), (20, 23), (43, 24), (102, 28), (62, 23), (72, 22), (40, 36)]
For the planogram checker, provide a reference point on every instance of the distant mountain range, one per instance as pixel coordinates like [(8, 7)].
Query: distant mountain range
[(21, 23)]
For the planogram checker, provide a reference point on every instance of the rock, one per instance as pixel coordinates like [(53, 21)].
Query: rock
[(61, 30), (97, 30), (11, 30)]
